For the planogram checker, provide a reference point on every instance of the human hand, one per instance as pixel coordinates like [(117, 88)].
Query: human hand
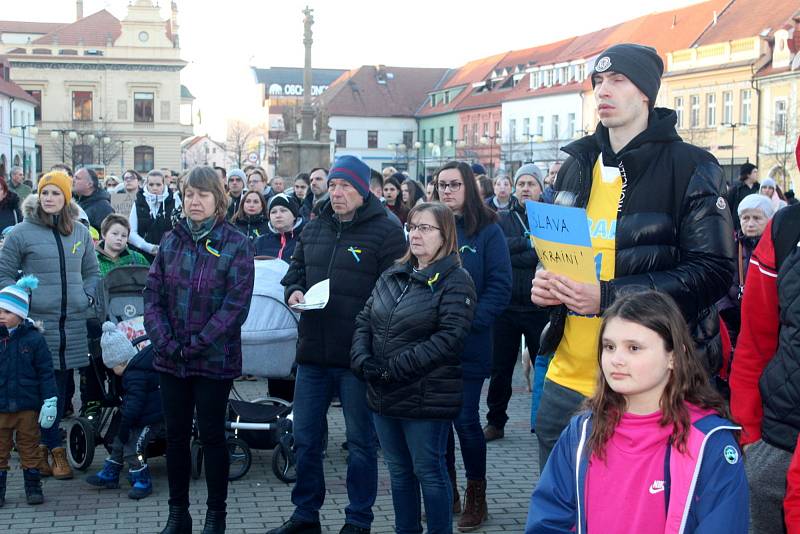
[(374, 372), (579, 297), (541, 295), (47, 415), (296, 297)]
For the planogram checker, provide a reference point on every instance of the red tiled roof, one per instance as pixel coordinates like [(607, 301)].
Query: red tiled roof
[(13, 90), (17, 26), (748, 18), (358, 92), (88, 31)]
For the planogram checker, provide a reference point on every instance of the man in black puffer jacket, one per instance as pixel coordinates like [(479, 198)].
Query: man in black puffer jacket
[(94, 200), (658, 219), (351, 243)]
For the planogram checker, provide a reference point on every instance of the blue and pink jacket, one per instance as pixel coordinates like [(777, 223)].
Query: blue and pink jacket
[(707, 486)]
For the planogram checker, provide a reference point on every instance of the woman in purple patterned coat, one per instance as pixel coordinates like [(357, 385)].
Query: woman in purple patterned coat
[(196, 299)]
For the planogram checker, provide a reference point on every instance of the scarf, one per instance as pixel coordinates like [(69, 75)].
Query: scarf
[(154, 202), (201, 229)]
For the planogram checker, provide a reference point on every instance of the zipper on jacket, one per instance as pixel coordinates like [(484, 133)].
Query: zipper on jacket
[(391, 314), (62, 320), (335, 248)]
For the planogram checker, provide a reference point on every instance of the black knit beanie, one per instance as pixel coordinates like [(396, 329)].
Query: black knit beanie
[(286, 201), (640, 64)]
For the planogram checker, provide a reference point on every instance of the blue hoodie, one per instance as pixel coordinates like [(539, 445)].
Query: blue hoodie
[(708, 491)]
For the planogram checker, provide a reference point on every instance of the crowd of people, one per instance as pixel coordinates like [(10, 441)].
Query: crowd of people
[(674, 379)]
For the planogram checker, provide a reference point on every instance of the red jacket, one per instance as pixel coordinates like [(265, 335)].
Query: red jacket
[(758, 339), (791, 503)]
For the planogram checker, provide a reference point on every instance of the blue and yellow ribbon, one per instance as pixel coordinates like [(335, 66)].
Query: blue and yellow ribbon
[(76, 246), (432, 280), (355, 252), (467, 248), (211, 249)]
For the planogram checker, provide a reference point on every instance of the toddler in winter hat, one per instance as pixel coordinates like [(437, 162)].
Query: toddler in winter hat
[(117, 350), (16, 299)]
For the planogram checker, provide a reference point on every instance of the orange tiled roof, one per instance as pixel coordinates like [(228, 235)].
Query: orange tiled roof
[(89, 31), (17, 26), (748, 18)]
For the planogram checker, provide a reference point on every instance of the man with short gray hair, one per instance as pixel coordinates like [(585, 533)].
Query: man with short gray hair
[(17, 183), (95, 201)]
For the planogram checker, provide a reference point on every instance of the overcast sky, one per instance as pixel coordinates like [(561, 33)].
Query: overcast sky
[(221, 39)]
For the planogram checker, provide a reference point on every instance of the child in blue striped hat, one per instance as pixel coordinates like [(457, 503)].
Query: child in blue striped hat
[(28, 395)]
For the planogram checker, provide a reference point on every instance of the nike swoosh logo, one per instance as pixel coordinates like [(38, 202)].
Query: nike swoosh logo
[(653, 490)]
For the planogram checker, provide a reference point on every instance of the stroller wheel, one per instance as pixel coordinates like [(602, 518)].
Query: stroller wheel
[(80, 443), (240, 458), (283, 463), (197, 459)]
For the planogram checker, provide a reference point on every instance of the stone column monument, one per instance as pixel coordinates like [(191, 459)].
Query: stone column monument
[(308, 152)]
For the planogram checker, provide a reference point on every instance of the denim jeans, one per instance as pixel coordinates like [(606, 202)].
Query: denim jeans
[(414, 451), (52, 436), (470, 433), (556, 408), (540, 365), (314, 388)]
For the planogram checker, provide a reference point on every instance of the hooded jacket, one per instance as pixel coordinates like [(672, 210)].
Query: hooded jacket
[(352, 255), (707, 486), (415, 324), (66, 267), (141, 399), (196, 299), (673, 225), (97, 207), (279, 244), (10, 212), (514, 223), (127, 257), (26, 369)]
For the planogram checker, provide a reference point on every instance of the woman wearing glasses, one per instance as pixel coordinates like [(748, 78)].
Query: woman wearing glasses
[(406, 346), (484, 255)]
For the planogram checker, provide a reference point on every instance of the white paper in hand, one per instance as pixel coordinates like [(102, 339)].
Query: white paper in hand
[(316, 297)]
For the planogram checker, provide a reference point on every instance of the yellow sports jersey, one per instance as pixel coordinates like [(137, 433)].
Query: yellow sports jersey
[(574, 364)]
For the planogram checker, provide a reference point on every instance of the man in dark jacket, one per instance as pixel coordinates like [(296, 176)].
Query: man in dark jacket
[(236, 180), (521, 317), (318, 192), (657, 219), (748, 185), (351, 243), (91, 197)]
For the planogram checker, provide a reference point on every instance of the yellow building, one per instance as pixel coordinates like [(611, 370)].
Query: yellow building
[(713, 85)]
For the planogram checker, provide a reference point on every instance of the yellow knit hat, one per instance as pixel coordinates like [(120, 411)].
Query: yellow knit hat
[(59, 179)]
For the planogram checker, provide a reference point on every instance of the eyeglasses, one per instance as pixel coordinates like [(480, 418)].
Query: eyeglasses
[(424, 229), (452, 186), (130, 177)]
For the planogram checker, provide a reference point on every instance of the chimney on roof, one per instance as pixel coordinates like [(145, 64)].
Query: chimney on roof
[(796, 34), (380, 74), (715, 17), (674, 21), (78, 9), (174, 23)]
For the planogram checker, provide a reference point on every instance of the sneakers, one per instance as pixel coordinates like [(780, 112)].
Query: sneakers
[(44, 463), (293, 526), (475, 510), (108, 477), (491, 433), (33, 486), (61, 468), (142, 484), (349, 528)]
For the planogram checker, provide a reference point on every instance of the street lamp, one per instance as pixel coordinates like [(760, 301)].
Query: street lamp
[(18, 130), (417, 146), (490, 140), (732, 125), (533, 138), (393, 146), (63, 133)]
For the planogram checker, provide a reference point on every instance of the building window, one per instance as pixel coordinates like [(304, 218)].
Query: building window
[(408, 138), (82, 155), (81, 105), (474, 133), (37, 110), (727, 107), (563, 73), (497, 128), (165, 110), (142, 107), (446, 97), (780, 118), (570, 125), (746, 101), (555, 128), (548, 77), (465, 132), (540, 125), (711, 110), (694, 111), (526, 127), (372, 138), (424, 137), (433, 138), (512, 130), (143, 157), (433, 100), (341, 138), (441, 136), (679, 111), (485, 128)]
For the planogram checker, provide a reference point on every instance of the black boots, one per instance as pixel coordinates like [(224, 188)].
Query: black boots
[(33, 486), (215, 522), (179, 521)]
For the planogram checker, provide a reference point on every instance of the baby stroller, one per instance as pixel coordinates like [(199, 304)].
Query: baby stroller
[(121, 302), (269, 340)]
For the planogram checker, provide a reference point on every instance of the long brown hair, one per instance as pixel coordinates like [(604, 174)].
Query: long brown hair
[(446, 222), (476, 214), (61, 221), (687, 383), (240, 214)]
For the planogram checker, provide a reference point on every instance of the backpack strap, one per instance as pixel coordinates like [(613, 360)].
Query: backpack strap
[(785, 233)]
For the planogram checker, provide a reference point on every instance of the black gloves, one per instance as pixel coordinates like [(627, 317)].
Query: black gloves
[(375, 373)]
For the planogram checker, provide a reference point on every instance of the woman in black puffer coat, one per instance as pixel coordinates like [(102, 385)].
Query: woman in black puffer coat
[(406, 345), (10, 212), (251, 218)]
